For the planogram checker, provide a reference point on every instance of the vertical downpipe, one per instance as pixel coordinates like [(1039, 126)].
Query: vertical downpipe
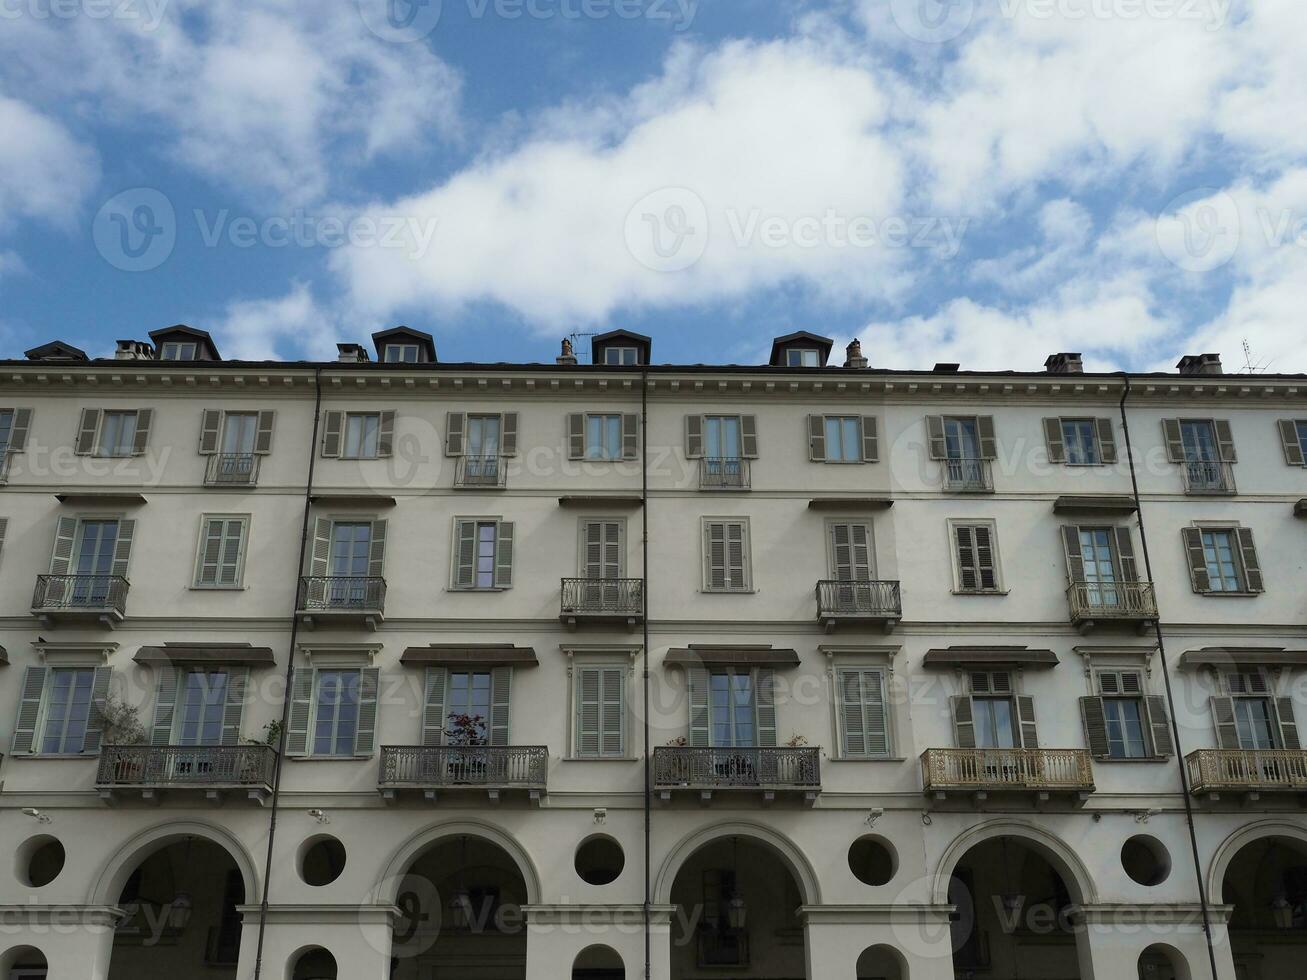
[(648, 752)]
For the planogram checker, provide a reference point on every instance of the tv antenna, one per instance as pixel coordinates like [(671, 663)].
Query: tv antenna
[(1249, 366)]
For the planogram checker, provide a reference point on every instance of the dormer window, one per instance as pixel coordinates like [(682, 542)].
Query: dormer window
[(404, 345), (402, 354), (177, 351), (802, 357), (621, 356)]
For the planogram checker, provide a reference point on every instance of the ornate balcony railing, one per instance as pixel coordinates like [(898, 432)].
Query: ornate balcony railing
[(173, 766), (1128, 601), (723, 473), (859, 600), (481, 471), (1208, 477), (968, 476), (1040, 770), (602, 598), (451, 766), (737, 768), (80, 594), (342, 593), (6, 454), (1247, 770), (232, 470)]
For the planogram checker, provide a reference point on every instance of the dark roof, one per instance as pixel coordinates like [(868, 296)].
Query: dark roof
[(740, 655), (469, 654), (800, 339), (56, 350), (989, 656), (404, 335), (225, 654), (181, 331)]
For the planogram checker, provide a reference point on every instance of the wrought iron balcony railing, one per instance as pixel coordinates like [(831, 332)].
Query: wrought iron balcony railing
[(1208, 477), (186, 766), (481, 472), (1121, 601), (602, 598), (342, 593), (6, 454), (874, 600), (489, 767), (232, 470), (968, 476), (697, 768), (723, 473), (97, 594), (1036, 770), (1247, 771)]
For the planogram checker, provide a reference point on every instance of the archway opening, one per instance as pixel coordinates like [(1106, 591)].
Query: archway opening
[(314, 964), (1161, 962), (1014, 914), (738, 905), (24, 963), (881, 963), (461, 903), (598, 963), (1267, 885), (181, 919)]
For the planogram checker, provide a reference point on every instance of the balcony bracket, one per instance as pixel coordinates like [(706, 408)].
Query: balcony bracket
[(493, 796), (705, 797), (430, 796), (535, 796), (259, 796), (389, 796), (810, 799), (213, 796)]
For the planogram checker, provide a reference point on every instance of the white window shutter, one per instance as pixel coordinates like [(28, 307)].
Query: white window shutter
[(870, 439), (504, 555), (1053, 441), (369, 679), (301, 711), (122, 552), (465, 537), (501, 686), (210, 430), (141, 438), (509, 428), (263, 436), (29, 711), (95, 720), (234, 708), (589, 682), (764, 680), (817, 438), (333, 424), (576, 436), (86, 432)]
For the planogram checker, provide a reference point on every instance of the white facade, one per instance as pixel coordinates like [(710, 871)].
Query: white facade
[(760, 819)]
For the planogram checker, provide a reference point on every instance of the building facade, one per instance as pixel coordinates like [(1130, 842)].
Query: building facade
[(400, 669)]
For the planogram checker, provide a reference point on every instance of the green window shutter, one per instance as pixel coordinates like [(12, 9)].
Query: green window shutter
[(1293, 454), (1225, 441), (988, 439), (699, 681), (817, 438), (1094, 715), (865, 698), (263, 435), (29, 710), (589, 709), (333, 425), (165, 705), (850, 552), (22, 425), (612, 742), (301, 711), (936, 444), (630, 436), (1125, 555), (434, 720), (1252, 569), (1159, 725), (465, 534), (986, 568), (1174, 440), (320, 554), (964, 722), (576, 436), (86, 431), (1054, 441), (603, 550), (1288, 724), (870, 439), (455, 425), (1227, 732), (365, 735), (95, 720), (61, 556), (764, 680), (968, 571), (501, 688), (386, 435), (849, 687), (122, 551), (694, 437), (234, 709), (714, 556), (1026, 717), (504, 555), (377, 550), (509, 428), (220, 552), (1106, 440), (737, 558), (141, 438), (1193, 546), (749, 436), (210, 430), (1075, 561)]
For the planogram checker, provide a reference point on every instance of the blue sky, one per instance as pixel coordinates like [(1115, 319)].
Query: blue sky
[(949, 180)]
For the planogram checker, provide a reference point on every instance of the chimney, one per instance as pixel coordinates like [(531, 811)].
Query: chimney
[(853, 358), (568, 356), (352, 354), (1064, 364), (1200, 364), (133, 350)]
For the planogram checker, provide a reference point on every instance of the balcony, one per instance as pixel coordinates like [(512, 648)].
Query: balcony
[(1246, 772), (719, 473), (607, 600), (481, 473), (1209, 478), (492, 769), (979, 772), (80, 599), (771, 771), (341, 599), (232, 470), (215, 770), (968, 476), (1127, 603), (859, 603)]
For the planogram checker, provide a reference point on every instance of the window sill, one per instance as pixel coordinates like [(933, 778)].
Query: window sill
[(600, 758), (728, 591), (328, 758), (869, 758), (1155, 759), (475, 591), (41, 756), (1229, 595), (979, 592), (218, 588)]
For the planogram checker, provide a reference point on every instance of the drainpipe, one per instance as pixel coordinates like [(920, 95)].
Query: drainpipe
[(290, 660), (648, 752), (1170, 693)]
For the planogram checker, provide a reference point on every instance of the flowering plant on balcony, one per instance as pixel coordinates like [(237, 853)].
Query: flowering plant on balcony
[(465, 730)]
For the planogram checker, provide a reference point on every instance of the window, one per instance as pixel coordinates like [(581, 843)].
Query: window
[(965, 444), (401, 354), (721, 437), (975, 556), (1121, 722), (117, 434), (726, 556), (67, 711), (239, 431), (483, 554), (1080, 437), (802, 358), (602, 549), (174, 350), (221, 558), (863, 716), (1223, 560), (88, 558), (1222, 565), (1293, 435), (355, 435), (621, 356), (961, 439), (336, 712), (1249, 717), (732, 709), (843, 440), (994, 711), (346, 565), (201, 707), (468, 708), (603, 437), (1199, 440), (481, 461), (362, 432), (600, 696), (1204, 448), (850, 551)]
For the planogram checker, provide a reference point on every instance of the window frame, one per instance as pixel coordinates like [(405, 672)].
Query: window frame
[(804, 354), (243, 546), (1000, 586), (1231, 533), (318, 674), (43, 716), (747, 548), (179, 707), (1140, 700), (751, 673), (588, 447), (858, 454), (404, 350), (171, 350), (1010, 697), (346, 449), (828, 527), (1300, 427), (1080, 424), (885, 674), (101, 450), (497, 523), (601, 664), (621, 351)]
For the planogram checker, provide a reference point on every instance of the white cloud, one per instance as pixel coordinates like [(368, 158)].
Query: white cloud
[(293, 325), (47, 173)]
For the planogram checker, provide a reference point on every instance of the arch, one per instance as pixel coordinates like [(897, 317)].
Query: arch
[(789, 853), (108, 882), (387, 887), (1052, 848), (885, 952), (316, 959), (1229, 849), (598, 957), (1174, 958), (22, 956)]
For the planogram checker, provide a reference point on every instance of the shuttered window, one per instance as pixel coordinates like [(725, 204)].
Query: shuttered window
[(603, 437), (1293, 437), (863, 714), (123, 433), (483, 554), (602, 549), (59, 710), (333, 712), (1223, 560), (1123, 722), (221, 558), (600, 696), (850, 551), (726, 556), (975, 555), (15, 423), (843, 438)]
